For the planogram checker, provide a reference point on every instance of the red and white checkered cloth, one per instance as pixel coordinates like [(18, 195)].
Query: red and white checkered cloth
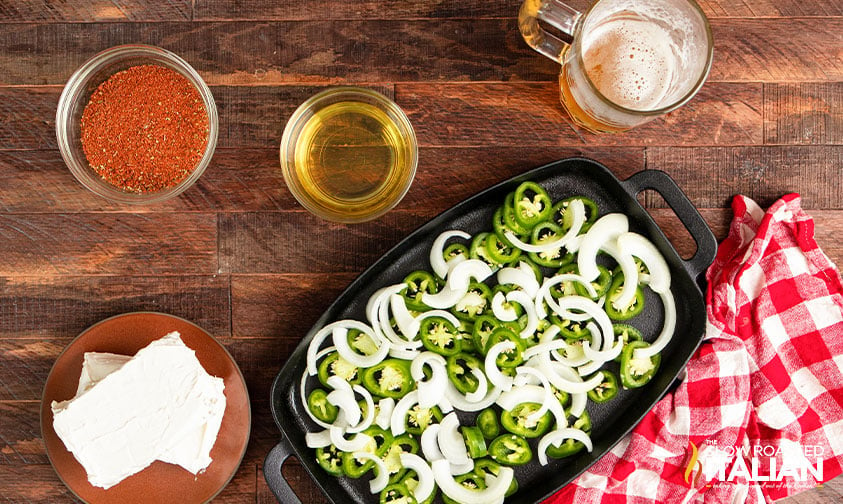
[(767, 382)]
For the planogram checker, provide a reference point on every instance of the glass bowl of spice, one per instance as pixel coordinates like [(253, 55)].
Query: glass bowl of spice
[(136, 124)]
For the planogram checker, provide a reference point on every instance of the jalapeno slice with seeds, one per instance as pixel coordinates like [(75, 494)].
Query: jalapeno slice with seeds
[(474, 303), (389, 378), (531, 205), (418, 419), (510, 450), (606, 390), (317, 402), (545, 232), (459, 368), (330, 458), (392, 456), (637, 372), (571, 446), (334, 365), (507, 358), (625, 333), (519, 420), (397, 493), (478, 250), (418, 283), (627, 312), (381, 439), (440, 336), (487, 466), (487, 422)]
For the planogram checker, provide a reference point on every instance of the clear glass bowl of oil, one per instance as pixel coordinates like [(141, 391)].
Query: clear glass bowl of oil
[(349, 154)]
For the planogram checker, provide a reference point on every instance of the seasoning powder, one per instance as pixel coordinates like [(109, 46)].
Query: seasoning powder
[(145, 129)]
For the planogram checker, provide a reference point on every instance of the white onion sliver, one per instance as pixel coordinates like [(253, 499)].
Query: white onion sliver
[(430, 443), (556, 437), (424, 474), (605, 229), (357, 443), (460, 277), (543, 295), (567, 384), (370, 410), (459, 401), (407, 324), (319, 337), (373, 307), (451, 442), (667, 331), (382, 477), (344, 400), (526, 302), (545, 347), (445, 298), (318, 439), (482, 387), (642, 248), (354, 358), (578, 210), (457, 469), (402, 353), (439, 313), (385, 407), (437, 251), (399, 413), (526, 393), (496, 377), (630, 275), (494, 492), (501, 312), (526, 280)]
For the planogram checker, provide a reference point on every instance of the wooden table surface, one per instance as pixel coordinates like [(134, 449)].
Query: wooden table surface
[(238, 256)]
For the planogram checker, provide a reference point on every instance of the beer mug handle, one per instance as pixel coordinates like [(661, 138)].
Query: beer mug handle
[(554, 13)]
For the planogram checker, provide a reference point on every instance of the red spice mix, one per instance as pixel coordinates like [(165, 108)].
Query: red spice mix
[(145, 129)]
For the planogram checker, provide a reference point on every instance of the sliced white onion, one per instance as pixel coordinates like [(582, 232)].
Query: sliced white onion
[(402, 353), (344, 400), (502, 312), (432, 359), (466, 467), (366, 422), (606, 228), (545, 348), (526, 302), (318, 439), (340, 334), (430, 443), (544, 295), (407, 324), (460, 402), (424, 474), (382, 473), (667, 331), (385, 407), (549, 403), (642, 248), (630, 275), (437, 251), (526, 280), (399, 413), (357, 443), (496, 377), (496, 486), (526, 393), (439, 313), (323, 333), (482, 387), (594, 311), (556, 437), (303, 389), (460, 276), (578, 215), (579, 399), (445, 298), (451, 442), (375, 302), (566, 384)]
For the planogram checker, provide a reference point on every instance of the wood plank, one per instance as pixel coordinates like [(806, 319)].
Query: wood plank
[(25, 365), (250, 179), (828, 225), (29, 117), (392, 50), (297, 242), (496, 114), (33, 483), (806, 113), (139, 244), (712, 175), (63, 306), (410, 9), (96, 10), (20, 433)]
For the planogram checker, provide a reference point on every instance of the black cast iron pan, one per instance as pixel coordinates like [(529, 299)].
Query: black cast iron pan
[(611, 421)]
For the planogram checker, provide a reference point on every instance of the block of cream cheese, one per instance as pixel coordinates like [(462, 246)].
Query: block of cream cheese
[(159, 404)]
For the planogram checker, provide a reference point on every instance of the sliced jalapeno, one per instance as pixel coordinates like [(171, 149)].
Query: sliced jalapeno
[(545, 232), (392, 456), (334, 365), (571, 329), (500, 251), (623, 313), (563, 218), (500, 226), (474, 441), (531, 205), (469, 480), (459, 368), (411, 481), (518, 421), (637, 372), (455, 250), (474, 303), (478, 250), (440, 336), (361, 342), (486, 466), (418, 419), (487, 422), (483, 327), (397, 493), (626, 333), (607, 389), (508, 358), (317, 402), (389, 378), (570, 447), (330, 458), (419, 283), (381, 439), (509, 217), (510, 450)]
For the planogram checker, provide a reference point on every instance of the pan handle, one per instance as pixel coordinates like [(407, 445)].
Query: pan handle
[(272, 473), (661, 182)]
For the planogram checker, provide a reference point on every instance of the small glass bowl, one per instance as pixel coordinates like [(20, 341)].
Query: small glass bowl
[(77, 93), (343, 210)]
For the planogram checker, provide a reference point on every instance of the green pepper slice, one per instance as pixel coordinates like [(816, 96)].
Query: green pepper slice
[(411, 481), (546, 232), (509, 217), (561, 216), (487, 422), (440, 336), (517, 421), (317, 403), (628, 312), (330, 458), (570, 446), (500, 226), (334, 365), (474, 441), (469, 480), (637, 372), (531, 205), (418, 419), (487, 466), (455, 250), (474, 303), (500, 251), (607, 389), (392, 456), (381, 440), (571, 329), (625, 333), (478, 250), (389, 378), (397, 493), (418, 283), (483, 327), (508, 358), (510, 450), (459, 368)]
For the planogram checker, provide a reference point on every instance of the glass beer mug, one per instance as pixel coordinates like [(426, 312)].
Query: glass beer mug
[(629, 61)]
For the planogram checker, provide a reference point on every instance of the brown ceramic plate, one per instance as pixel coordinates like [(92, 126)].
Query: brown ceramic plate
[(160, 482)]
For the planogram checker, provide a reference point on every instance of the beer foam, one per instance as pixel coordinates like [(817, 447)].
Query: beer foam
[(631, 60)]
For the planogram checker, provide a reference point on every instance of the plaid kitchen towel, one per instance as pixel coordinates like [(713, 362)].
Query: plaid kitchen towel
[(760, 414)]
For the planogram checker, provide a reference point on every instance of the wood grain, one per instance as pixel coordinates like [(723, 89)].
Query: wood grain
[(141, 244), (20, 433), (806, 113), (391, 50), (712, 175), (496, 114), (25, 365), (251, 179), (297, 242), (29, 117), (96, 10), (33, 483), (63, 306)]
